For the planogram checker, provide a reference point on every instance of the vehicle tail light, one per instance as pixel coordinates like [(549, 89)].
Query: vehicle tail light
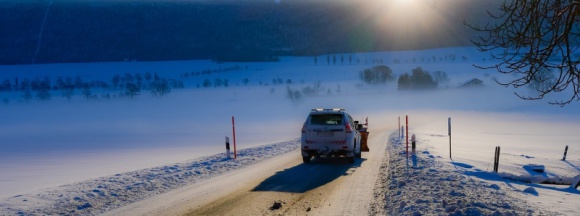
[(347, 128)]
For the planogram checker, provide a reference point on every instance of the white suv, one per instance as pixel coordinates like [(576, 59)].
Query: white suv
[(330, 132)]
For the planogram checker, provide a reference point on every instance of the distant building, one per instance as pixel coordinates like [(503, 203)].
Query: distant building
[(473, 83)]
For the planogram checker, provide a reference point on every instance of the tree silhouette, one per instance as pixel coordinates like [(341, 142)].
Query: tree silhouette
[(421, 79), (67, 91), (160, 87), (530, 37), (418, 80), (379, 74), (86, 91), (132, 89), (404, 82)]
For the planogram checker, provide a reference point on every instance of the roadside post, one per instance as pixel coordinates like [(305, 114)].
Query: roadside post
[(407, 133), (565, 153), (496, 159), (449, 129), (228, 148), (400, 127), (234, 132)]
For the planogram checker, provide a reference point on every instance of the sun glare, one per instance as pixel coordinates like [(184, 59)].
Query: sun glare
[(404, 2), (407, 22), (404, 10), (405, 5)]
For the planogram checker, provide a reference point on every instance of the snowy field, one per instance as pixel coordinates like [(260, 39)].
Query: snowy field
[(57, 146)]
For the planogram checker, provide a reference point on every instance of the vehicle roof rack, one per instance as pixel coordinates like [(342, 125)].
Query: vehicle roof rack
[(327, 109)]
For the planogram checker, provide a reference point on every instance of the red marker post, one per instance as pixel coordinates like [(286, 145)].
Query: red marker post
[(234, 132)]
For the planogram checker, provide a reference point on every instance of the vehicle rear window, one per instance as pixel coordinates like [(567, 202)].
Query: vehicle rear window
[(326, 119)]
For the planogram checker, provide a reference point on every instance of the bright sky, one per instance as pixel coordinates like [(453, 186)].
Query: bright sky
[(408, 21)]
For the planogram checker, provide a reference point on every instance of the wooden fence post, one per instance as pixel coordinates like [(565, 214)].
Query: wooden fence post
[(496, 159)]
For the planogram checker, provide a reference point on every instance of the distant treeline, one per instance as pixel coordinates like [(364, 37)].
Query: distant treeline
[(37, 31)]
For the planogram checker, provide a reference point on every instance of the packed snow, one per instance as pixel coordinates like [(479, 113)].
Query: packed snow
[(88, 156)]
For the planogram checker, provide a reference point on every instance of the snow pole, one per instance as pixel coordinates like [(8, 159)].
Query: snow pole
[(449, 128), (496, 159), (565, 153), (407, 133), (400, 127), (234, 132), (227, 147)]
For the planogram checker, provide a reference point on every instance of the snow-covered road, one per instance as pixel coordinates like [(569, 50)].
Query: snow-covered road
[(325, 186)]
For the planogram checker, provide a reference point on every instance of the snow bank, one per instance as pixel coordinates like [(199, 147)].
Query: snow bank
[(420, 184), (99, 195)]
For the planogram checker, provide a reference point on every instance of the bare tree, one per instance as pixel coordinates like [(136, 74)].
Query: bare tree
[(67, 91), (132, 89), (529, 37), (160, 87), (86, 90)]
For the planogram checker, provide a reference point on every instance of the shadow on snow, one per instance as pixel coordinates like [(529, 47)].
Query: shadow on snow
[(305, 177)]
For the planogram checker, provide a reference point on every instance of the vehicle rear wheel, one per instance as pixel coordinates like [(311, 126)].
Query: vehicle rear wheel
[(359, 154), (306, 159), (353, 158)]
